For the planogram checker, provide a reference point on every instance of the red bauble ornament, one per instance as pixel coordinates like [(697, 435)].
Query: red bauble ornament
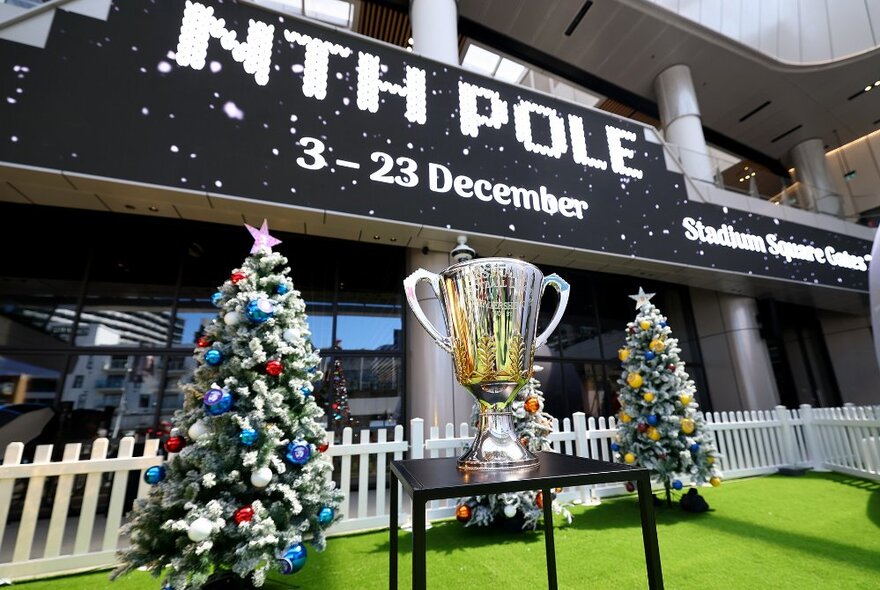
[(670, 367), (629, 486), (532, 405), (463, 512), (203, 342), (642, 427), (274, 367), (243, 514), (322, 448), (539, 500), (334, 406), (237, 276), (174, 443)]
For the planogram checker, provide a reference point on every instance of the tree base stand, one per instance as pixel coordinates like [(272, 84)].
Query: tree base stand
[(228, 581), (692, 501)]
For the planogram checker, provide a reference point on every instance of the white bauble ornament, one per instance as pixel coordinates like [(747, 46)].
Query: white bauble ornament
[(290, 334), (197, 430), (509, 510), (261, 477), (232, 318), (200, 529)]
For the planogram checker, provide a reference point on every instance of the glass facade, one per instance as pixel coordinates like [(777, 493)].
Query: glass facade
[(98, 324)]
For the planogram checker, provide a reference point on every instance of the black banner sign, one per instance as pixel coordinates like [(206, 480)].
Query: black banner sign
[(231, 100)]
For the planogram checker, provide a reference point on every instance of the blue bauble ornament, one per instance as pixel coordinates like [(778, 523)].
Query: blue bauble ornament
[(615, 447), (154, 474), (312, 370), (652, 420), (298, 452), (213, 357), (662, 324), (293, 559), (281, 289), (259, 310), (217, 401), (325, 515), (649, 355), (248, 436), (695, 448), (677, 485), (305, 390), (216, 298)]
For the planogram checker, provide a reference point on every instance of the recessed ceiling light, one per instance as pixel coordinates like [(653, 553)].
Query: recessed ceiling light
[(153, 208), (877, 83), (393, 239), (868, 87), (376, 238)]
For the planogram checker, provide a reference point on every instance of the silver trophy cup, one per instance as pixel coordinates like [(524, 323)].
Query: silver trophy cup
[(490, 306)]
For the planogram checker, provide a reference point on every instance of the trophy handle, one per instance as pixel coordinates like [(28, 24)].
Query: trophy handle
[(409, 287), (562, 288)]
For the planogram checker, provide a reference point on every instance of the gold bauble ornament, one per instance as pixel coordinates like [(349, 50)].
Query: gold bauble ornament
[(715, 481), (624, 417), (687, 425), (710, 460), (634, 380), (657, 345), (644, 324), (648, 397), (629, 458), (685, 399), (653, 433), (623, 354), (532, 405), (463, 512)]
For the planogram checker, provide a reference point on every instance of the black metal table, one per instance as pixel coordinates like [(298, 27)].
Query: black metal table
[(435, 479)]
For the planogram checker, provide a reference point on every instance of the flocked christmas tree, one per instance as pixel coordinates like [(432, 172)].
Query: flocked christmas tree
[(340, 412), (532, 425), (660, 427), (246, 487)]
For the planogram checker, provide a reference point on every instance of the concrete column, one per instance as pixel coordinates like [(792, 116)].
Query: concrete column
[(435, 29), (432, 393), (682, 125), (735, 357), (816, 192)]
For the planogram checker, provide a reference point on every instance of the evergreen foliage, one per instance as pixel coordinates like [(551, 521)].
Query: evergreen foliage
[(250, 485), (659, 425)]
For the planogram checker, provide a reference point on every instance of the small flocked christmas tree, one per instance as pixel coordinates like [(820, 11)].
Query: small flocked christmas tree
[(246, 485), (533, 425), (340, 413), (659, 426)]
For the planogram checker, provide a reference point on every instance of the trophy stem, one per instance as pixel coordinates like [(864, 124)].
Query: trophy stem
[(496, 445)]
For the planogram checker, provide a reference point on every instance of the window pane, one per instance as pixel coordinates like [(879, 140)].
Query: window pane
[(180, 371), (374, 390), (370, 298), (369, 327), (118, 396)]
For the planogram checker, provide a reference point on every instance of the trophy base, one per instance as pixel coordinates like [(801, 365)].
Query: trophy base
[(496, 446)]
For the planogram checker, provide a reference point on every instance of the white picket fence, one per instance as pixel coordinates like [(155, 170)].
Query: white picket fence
[(846, 440)]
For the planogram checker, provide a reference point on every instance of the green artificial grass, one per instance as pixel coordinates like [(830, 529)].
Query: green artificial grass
[(820, 530)]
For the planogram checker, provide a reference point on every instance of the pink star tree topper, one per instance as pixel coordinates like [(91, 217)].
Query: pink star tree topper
[(261, 237)]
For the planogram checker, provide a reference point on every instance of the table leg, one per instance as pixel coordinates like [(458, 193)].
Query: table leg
[(549, 545), (418, 543), (392, 543), (649, 534)]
